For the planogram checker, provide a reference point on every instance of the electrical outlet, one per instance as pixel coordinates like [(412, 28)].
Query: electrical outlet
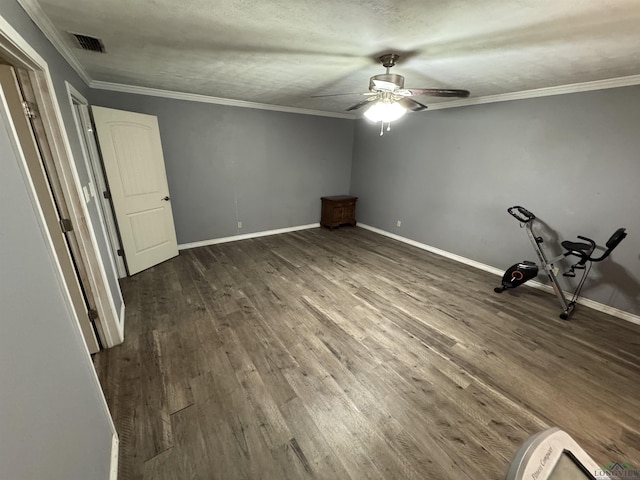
[(398, 223), (239, 224)]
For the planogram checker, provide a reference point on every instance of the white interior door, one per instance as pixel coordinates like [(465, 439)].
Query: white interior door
[(134, 164)]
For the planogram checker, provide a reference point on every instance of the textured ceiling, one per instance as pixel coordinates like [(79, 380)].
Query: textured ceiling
[(283, 52)]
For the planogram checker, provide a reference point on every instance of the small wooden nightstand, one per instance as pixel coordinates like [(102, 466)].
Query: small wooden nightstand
[(338, 210)]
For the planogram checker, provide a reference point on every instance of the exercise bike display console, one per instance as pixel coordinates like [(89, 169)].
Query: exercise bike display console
[(553, 455), (523, 271)]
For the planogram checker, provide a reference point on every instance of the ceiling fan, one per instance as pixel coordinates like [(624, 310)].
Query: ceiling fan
[(389, 99)]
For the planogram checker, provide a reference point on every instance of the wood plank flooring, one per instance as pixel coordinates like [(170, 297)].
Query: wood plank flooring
[(347, 355)]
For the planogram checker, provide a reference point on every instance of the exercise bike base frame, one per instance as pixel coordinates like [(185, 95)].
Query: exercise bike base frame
[(567, 307)]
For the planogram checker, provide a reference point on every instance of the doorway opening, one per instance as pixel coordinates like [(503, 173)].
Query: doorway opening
[(49, 164), (95, 168)]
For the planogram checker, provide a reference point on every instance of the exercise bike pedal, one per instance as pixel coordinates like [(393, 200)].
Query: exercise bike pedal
[(570, 273), (579, 267)]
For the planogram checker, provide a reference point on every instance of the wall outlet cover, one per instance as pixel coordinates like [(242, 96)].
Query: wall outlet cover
[(398, 223), (239, 224)]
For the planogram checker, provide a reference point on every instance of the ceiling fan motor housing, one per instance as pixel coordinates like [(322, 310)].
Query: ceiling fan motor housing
[(397, 80)]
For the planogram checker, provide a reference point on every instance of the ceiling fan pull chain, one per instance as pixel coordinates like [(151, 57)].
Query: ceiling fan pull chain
[(381, 128), (389, 127)]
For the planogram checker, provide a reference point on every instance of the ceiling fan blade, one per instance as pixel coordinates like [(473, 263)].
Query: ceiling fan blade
[(412, 105), (438, 92), (360, 105), (341, 94)]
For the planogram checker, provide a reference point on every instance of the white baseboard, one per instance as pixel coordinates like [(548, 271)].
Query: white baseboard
[(121, 319), (113, 470), (437, 251), (235, 238), (601, 307)]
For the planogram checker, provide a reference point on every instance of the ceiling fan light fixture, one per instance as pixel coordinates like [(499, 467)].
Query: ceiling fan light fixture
[(385, 111), (389, 100)]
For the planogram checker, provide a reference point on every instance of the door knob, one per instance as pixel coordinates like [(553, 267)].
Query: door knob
[(166, 199)]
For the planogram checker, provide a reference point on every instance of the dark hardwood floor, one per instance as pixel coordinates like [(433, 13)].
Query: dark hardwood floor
[(347, 355)]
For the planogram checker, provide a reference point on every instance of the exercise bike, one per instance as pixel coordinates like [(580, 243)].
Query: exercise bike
[(524, 271)]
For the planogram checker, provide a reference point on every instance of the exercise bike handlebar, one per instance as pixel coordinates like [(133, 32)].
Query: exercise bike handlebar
[(591, 242), (521, 214), (612, 243)]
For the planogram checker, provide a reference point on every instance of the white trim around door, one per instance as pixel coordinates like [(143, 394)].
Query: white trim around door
[(15, 49), (97, 179)]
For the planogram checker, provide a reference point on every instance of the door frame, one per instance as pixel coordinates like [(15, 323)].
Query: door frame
[(37, 156), (96, 174), (18, 53)]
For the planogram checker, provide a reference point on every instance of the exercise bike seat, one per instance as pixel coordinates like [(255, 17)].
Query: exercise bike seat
[(578, 247), (585, 250)]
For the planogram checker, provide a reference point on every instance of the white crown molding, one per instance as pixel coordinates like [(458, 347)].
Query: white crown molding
[(35, 12), (40, 18), (601, 307), (33, 9), (541, 92), (503, 97), (235, 238), (194, 97)]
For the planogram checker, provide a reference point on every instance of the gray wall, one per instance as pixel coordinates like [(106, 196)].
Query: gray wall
[(52, 421), (227, 164), (61, 71), (449, 176)]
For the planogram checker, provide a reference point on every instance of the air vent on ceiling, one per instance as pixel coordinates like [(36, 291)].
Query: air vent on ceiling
[(92, 44)]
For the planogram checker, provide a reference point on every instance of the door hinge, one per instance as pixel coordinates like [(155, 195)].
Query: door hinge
[(66, 225), (30, 109), (120, 252), (92, 314), (107, 194)]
